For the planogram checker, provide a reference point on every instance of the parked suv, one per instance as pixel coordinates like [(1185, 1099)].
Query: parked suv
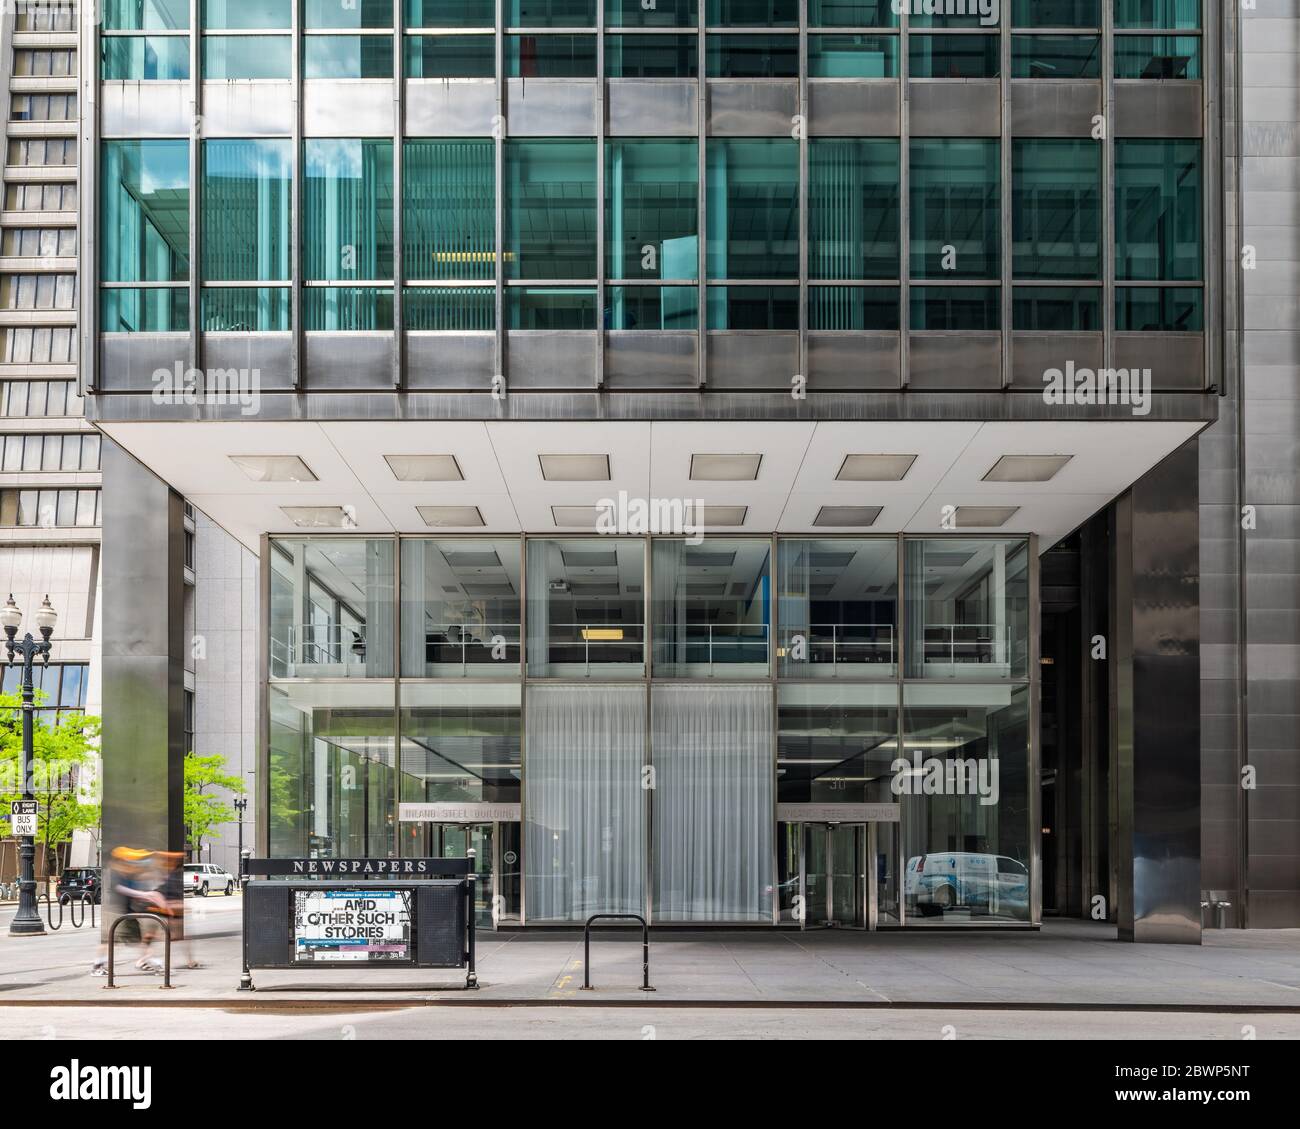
[(78, 883), (202, 878)]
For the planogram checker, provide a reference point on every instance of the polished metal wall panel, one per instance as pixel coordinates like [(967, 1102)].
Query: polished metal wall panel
[(557, 359), (853, 362), (950, 107), (942, 361), (849, 108), (738, 108), (265, 356), (1176, 360), (1157, 672), (1158, 108), (652, 107), (551, 107), (739, 359), (142, 744), (351, 361), (144, 109), (1032, 354), (136, 362), (451, 360), (651, 359), (1046, 107), (355, 108), (450, 107), (247, 108)]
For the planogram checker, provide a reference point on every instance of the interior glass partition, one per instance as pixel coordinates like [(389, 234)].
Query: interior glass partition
[(836, 744)]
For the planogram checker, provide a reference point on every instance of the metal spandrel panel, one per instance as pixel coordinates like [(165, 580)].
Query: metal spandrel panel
[(955, 107), (551, 107), (853, 109), (752, 109), (942, 361), (853, 362), (450, 107), (128, 361), (551, 359), (451, 360), (247, 109), (652, 107), (347, 361), (1044, 107), (347, 109), (1158, 108), (1032, 354), (1176, 360), (650, 359), (143, 109), (762, 359)]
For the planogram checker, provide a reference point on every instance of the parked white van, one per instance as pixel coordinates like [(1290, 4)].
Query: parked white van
[(963, 879)]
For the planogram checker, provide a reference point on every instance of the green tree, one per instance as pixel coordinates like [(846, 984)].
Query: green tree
[(205, 810), (63, 758)]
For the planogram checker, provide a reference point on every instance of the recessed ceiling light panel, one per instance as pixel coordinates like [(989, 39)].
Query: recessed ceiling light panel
[(874, 468), (847, 515), (318, 517), (725, 468), (442, 517), (425, 468), (575, 468), (274, 468), (581, 517), (984, 517), (721, 517), (1026, 468)]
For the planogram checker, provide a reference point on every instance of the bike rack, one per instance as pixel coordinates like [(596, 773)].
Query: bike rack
[(167, 945), (76, 922), (645, 947)]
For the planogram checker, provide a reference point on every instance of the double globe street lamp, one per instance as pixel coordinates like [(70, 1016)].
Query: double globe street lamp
[(27, 921)]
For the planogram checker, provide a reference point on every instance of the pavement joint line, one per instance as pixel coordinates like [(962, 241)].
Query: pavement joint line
[(661, 1003)]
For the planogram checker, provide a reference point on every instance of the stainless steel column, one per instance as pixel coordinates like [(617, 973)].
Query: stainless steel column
[(1156, 722), (143, 639)]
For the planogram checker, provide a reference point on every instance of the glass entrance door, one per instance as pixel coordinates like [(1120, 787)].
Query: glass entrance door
[(453, 841), (834, 875)]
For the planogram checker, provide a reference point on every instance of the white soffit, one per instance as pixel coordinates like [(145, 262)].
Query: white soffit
[(503, 478)]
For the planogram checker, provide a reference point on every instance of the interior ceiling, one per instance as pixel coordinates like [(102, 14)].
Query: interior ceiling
[(503, 478)]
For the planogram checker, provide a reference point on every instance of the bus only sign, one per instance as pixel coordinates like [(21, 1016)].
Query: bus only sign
[(334, 926)]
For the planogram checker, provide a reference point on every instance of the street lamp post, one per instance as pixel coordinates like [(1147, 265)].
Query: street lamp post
[(27, 922), (241, 804)]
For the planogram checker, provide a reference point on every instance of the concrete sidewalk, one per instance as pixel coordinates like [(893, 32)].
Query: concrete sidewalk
[(1067, 964)]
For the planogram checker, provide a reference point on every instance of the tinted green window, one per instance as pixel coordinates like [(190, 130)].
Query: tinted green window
[(347, 56), (145, 211), (1157, 56), (145, 57), (651, 56), (449, 209), (246, 309), (348, 213), (851, 13), (955, 208), (347, 13), (554, 308), (450, 56), (953, 56), (550, 13), (664, 13), (1158, 210), (347, 308), (1156, 308), (752, 56), (246, 194), (853, 56), (752, 13), (653, 307), (450, 13), (1056, 209), (752, 307), (447, 308), (246, 56), (1046, 309), (247, 13), (1055, 56), (146, 15), (955, 307), (158, 310), (551, 56), (550, 202), (652, 212), (1056, 13), (753, 202), (853, 214), (1179, 14), (853, 307)]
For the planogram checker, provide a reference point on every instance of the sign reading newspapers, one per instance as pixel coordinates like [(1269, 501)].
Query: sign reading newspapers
[(351, 926), (22, 818)]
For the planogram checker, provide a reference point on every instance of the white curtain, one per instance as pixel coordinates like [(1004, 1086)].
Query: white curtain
[(712, 753), (584, 807)]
